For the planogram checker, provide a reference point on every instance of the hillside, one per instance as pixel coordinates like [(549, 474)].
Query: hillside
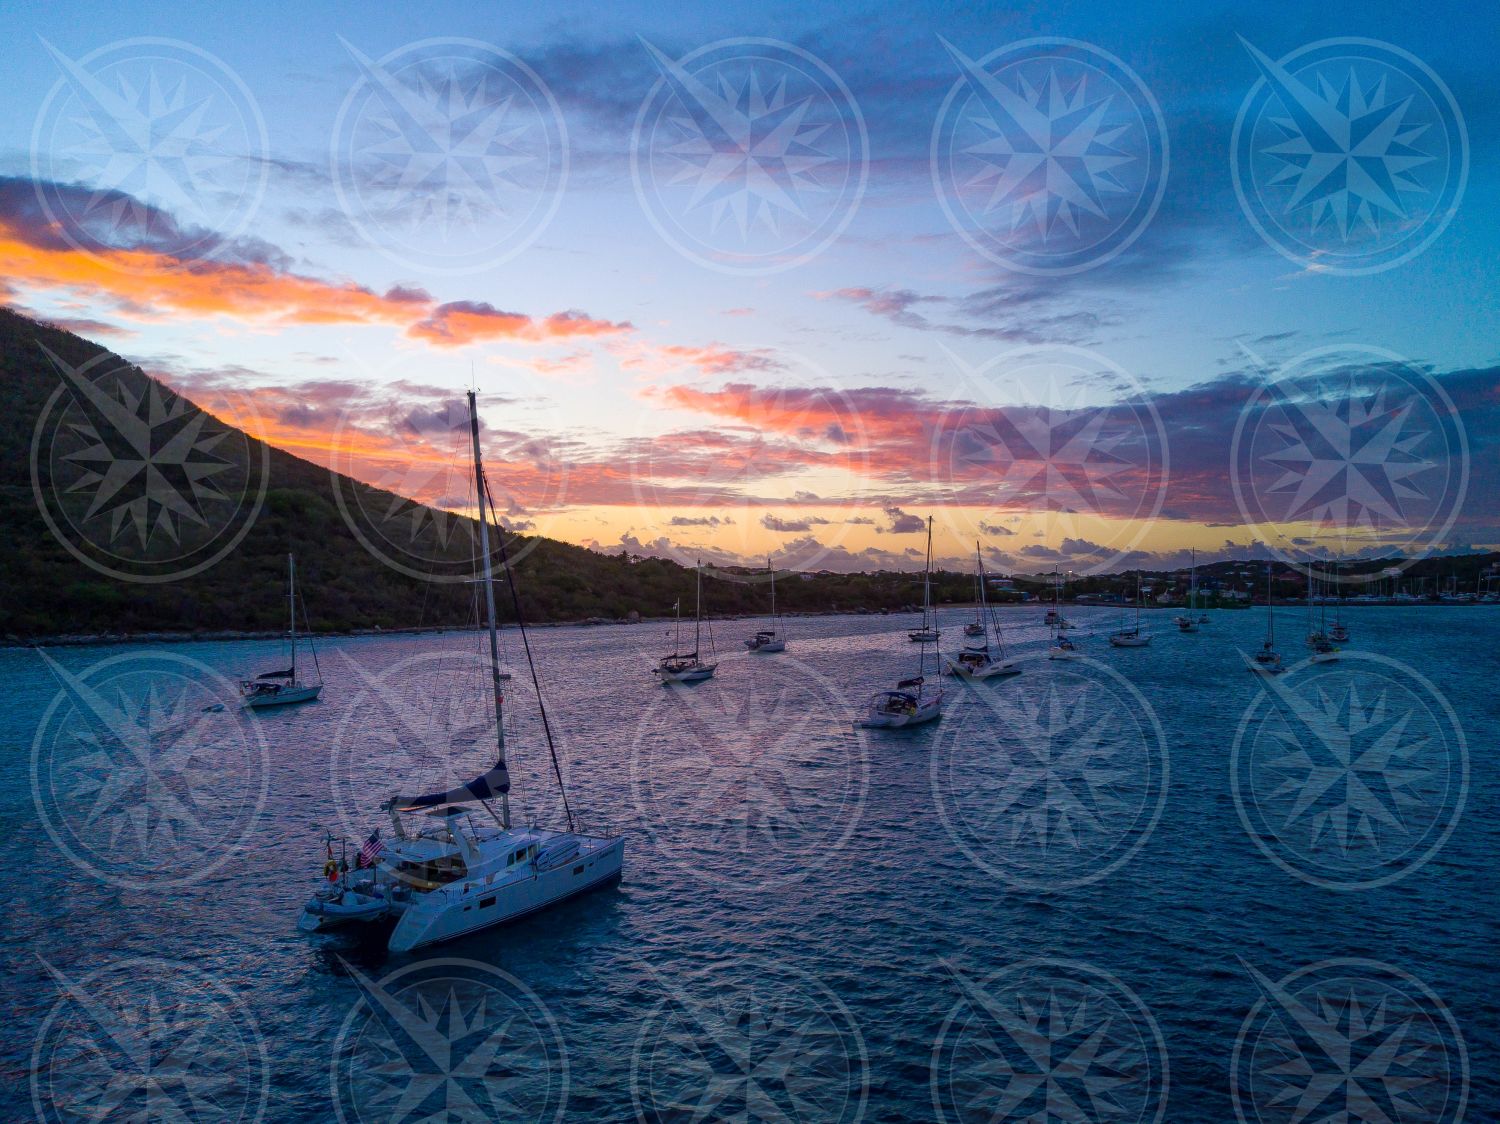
[(48, 591)]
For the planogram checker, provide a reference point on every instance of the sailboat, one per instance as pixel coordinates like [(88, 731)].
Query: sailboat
[(927, 633), (449, 871), (1132, 637), (1318, 642), (976, 661), (769, 639), (1189, 622), (913, 701), (687, 667), (1267, 661), (1337, 632), (1061, 648), (282, 688)]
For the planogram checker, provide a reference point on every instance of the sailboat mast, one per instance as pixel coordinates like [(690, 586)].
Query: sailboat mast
[(291, 604), (773, 591), (1270, 617), (489, 597), (698, 615)]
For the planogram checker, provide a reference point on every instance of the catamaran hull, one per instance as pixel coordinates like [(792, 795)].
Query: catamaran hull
[(464, 908), (285, 698)]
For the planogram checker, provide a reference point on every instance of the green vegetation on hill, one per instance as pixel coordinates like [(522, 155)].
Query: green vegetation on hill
[(47, 591)]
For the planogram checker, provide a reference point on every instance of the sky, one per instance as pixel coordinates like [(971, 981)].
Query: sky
[(1091, 285)]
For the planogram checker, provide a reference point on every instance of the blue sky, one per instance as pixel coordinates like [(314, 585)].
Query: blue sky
[(896, 301)]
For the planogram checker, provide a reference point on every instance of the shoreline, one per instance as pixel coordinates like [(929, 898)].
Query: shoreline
[(209, 636)]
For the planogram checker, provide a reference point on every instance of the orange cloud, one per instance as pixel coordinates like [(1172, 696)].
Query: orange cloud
[(147, 284)]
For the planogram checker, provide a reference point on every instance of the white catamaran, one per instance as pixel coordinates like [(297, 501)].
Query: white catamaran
[(459, 865), (913, 701), (771, 639), (687, 667), (976, 661), (282, 688)]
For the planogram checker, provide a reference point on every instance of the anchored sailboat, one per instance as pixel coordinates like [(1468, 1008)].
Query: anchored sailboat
[(769, 639), (1190, 621), (282, 688), (1061, 647), (1132, 637), (450, 872), (927, 633), (1337, 632), (913, 701), (976, 661), (687, 667), (1318, 641), (1267, 661)]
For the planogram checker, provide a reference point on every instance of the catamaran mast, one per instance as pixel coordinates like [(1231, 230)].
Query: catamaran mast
[(489, 599), (291, 604)]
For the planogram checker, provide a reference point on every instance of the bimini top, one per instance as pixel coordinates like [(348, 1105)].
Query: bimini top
[(487, 786)]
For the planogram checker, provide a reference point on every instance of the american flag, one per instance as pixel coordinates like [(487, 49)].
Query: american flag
[(371, 851)]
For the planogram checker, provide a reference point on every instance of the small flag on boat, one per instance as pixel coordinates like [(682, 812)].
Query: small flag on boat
[(371, 851)]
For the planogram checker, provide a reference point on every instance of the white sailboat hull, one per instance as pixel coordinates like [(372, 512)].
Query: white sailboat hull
[(993, 670), (298, 693), (1129, 641), (689, 675), (766, 645), (881, 720), (466, 907), (923, 636)]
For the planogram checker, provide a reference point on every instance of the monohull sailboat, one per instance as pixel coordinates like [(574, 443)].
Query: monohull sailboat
[(913, 701), (1267, 661), (1189, 621), (1132, 637), (284, 687), (771, 639), (687, 667), (976, 661), (455, 863)]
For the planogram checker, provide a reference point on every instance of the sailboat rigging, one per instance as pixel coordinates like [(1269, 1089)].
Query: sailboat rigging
[(769, 639), (282, 688), (687, 667), (913, 701), (1132, 637), (976, 661), (450, 873), (1267, 661)]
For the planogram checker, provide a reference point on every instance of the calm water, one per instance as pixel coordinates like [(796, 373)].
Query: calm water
[(814, 924)]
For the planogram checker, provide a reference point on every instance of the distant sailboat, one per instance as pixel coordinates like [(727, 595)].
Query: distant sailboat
[(769, 639), (1318, 641), (687, 667), (976, 661), (913, 701), (1061, 648), (282, 688), (1189, 621), (1267, 661), (1132, 637), (1337, 632), (928, 633)]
